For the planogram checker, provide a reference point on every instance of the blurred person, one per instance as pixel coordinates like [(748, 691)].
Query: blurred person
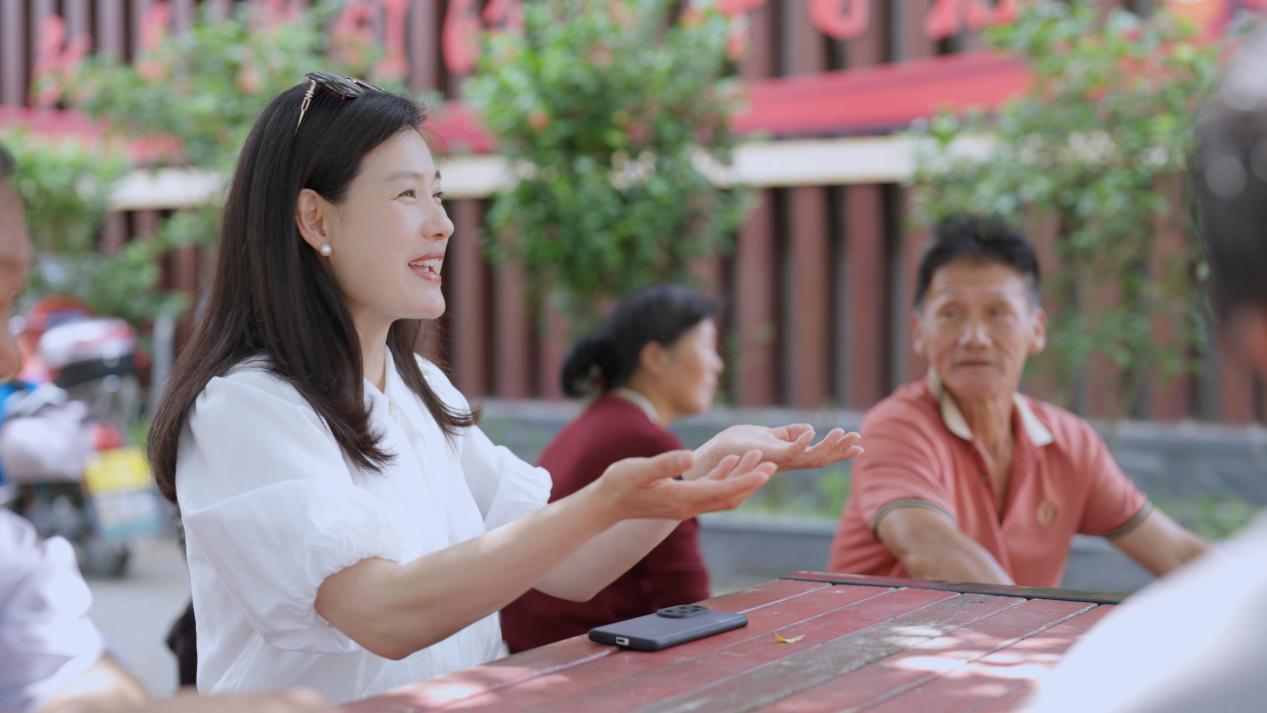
[(1196, 641), (348, 526), (653, 360), (967, 480), (52, 657)]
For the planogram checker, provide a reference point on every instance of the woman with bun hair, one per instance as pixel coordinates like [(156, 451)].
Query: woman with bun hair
[(653, 360)]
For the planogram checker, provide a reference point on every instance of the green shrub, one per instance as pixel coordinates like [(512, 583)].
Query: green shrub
[(603, 107)]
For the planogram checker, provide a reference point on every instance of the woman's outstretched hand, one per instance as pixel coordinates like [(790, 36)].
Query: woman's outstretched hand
[(647, 488), (787, 447)]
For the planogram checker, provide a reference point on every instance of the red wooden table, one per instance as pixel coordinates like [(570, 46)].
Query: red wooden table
[(814, 642)]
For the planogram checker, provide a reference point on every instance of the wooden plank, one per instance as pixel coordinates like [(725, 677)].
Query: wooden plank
[(907, 366), (604, 682), (13, 57), (467, 305), (183, 14), (1235, 388), (114, 232), (806, 351), (1042, 382), (566, 654), (931, 659), (676, 686), (424, 52), (756, 266), (145, 223), (805, 357), (110, 30), (866, 324), (185, 279), (554, 342), (873, 47), (755, 361), (912, 42), (38, 11), (77, 19), (845, 641), (139, 10), (1001, 673), (512, 335), (219, 8), (759, 60), (863, 580)]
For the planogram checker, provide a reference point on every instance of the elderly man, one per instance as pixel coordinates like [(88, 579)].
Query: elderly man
[(52, 658), (964, 479), (1197, 641)]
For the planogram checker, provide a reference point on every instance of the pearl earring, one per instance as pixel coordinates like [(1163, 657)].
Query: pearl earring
[(326, 250)]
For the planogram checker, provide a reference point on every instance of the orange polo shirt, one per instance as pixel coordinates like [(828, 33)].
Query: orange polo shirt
[(920, 453)]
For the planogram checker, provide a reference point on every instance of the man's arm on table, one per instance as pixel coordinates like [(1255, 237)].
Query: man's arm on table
[(1160, 544), (929, 546)]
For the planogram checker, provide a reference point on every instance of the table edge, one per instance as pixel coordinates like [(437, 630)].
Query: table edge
[(1069, 595)]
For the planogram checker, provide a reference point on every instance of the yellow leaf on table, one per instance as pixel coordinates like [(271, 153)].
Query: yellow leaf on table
[(780, 638)]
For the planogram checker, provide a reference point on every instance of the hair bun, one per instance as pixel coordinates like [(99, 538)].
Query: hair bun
[(587, 368)]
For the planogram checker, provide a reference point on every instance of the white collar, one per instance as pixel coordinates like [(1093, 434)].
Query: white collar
[(396, 396), (955, 422), (638, 400)]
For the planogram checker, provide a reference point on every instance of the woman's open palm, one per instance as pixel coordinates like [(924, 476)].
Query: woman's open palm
[(787, 447), (647, 487)]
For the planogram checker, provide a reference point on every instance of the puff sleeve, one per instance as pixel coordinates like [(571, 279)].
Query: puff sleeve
[(270, 504)]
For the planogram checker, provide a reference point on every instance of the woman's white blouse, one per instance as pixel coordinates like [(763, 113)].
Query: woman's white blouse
[(271, 508)]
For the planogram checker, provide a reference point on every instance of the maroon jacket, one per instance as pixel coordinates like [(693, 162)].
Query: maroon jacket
[(672, 573)]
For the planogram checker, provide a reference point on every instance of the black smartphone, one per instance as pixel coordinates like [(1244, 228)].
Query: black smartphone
[(668, 627)]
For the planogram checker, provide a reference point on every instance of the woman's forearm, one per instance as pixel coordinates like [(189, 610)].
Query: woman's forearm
[(395, 609), (604, 558), (600, 561)]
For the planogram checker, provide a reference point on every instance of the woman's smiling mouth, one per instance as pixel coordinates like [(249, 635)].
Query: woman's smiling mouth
[(428, 268)]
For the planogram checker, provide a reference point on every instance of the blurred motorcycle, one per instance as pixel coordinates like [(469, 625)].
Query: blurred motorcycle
[(63, 445)]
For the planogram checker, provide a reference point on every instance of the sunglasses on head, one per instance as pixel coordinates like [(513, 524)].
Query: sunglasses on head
[(346, 88)]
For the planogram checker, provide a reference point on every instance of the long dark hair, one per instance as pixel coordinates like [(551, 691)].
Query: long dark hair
[(272, 297), (606, 359)]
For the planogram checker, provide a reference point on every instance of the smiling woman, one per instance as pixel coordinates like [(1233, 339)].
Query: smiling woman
[(349, 528)]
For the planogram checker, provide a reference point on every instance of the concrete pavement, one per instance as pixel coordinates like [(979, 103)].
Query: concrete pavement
[(134, 612)]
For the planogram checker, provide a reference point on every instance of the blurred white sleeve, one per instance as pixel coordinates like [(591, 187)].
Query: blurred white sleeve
[(1193, 641), (46, 638)]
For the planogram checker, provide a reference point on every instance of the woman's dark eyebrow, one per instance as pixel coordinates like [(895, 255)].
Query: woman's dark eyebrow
[(408, 174)]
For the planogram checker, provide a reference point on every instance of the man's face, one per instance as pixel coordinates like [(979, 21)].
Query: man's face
[(15, 261), (977, 326)]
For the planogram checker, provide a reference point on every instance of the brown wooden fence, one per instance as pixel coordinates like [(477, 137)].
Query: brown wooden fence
[(817, 289)]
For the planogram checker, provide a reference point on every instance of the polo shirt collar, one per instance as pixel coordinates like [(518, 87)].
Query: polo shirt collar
[(958, 425)]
